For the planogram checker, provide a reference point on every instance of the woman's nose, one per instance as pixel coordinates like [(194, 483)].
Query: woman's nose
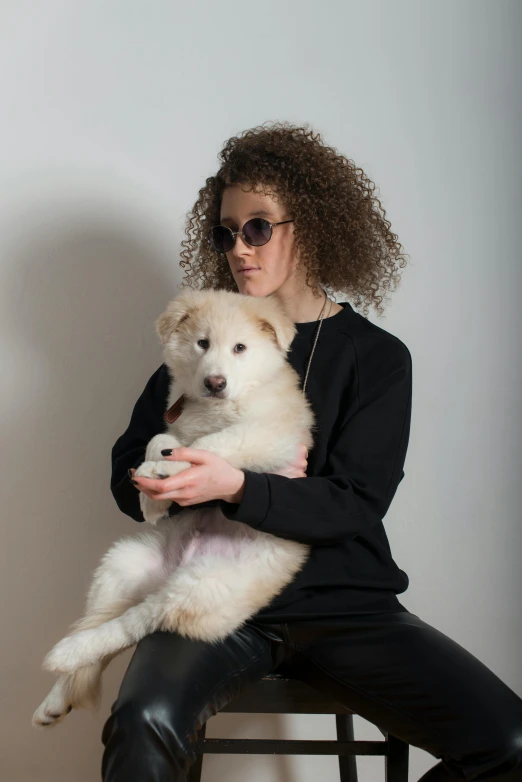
[(240, 246)]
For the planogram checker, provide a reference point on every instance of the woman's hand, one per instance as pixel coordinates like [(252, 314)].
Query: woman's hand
[(208, 478), (298, 468)]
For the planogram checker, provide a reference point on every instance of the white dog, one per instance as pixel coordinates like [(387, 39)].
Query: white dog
[(198, 573)]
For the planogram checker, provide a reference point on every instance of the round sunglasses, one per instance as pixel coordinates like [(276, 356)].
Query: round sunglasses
[(256, 232)]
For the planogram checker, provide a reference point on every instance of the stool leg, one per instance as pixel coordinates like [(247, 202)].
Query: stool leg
[(397, 760), (347, 763), (194, 772)]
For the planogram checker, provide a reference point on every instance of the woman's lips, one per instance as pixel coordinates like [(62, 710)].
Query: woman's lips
[(248, 271)]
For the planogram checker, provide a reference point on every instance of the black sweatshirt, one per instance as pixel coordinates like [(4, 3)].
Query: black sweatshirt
[(360, 388)]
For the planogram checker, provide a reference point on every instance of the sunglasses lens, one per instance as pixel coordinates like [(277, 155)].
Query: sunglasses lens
[(221, 238), (257, 231)]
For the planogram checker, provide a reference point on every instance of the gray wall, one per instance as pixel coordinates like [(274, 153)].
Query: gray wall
[(113, 115)]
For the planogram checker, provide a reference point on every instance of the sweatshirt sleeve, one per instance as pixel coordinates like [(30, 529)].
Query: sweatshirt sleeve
[(363, 468), (129, 449)]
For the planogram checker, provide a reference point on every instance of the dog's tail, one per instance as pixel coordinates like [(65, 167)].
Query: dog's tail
[(84, 688)]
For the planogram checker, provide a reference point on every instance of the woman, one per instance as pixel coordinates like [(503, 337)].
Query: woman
[(287, 215)]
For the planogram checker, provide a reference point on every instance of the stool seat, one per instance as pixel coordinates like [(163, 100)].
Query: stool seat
[(279, 694)]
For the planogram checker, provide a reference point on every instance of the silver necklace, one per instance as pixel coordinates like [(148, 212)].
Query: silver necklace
[(316, 337)]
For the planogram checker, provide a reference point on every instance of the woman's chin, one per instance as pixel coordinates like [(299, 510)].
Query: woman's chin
[(248, 288)]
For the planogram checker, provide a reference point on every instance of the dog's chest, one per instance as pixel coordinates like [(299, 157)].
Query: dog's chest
[(195, 422), (206, 533)]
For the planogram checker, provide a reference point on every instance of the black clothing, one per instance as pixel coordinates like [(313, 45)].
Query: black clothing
[(338, 625), (360, 388), (391, 668)]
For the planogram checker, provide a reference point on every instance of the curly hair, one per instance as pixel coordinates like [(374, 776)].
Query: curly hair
[(341, 235)]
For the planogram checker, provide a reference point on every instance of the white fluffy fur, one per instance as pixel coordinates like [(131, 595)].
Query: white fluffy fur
[(198, 573)]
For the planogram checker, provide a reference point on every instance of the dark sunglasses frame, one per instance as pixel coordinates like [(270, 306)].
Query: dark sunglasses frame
[(233, 234)]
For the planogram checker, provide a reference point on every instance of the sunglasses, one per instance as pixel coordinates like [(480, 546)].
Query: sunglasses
[(256, 232)]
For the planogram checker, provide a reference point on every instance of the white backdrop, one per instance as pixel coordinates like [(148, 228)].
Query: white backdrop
[(113, 114)]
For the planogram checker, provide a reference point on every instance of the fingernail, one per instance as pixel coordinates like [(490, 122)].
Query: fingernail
[(130, 472), (167, 452)]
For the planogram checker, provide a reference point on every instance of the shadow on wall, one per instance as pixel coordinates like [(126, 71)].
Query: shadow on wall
[(81, 299)]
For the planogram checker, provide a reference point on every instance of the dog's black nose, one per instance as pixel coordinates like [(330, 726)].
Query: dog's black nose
[(215, 382)]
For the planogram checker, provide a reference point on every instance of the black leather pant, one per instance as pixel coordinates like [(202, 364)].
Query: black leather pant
[(391, 668)]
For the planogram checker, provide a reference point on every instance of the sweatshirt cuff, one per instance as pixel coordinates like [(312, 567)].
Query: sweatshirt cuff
[(254, 504)]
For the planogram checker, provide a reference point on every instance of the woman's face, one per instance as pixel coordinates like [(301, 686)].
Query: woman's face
[(275, 262)]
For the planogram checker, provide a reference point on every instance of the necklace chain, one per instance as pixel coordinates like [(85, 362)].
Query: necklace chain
[(316, 337)]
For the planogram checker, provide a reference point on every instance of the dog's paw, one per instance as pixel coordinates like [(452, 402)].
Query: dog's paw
[(160, 469), (53, 709), (147, 470), (69, 654), (158, 444), (155, 510)]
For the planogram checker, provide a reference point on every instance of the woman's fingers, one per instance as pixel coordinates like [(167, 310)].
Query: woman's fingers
[(138, 483)]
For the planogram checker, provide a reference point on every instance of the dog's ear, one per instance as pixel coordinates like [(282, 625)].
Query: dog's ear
[(178, 310), (278, 325), (282, 333)]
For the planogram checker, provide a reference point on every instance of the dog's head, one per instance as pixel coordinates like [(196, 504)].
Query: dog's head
[(222, 344)]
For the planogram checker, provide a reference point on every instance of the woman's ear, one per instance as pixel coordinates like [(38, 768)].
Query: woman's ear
[(178, 310)]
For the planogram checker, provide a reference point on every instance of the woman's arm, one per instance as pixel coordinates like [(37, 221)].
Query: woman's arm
[(364, 465)]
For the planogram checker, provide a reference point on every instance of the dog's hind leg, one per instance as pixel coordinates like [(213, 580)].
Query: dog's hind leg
[(89, 646), (56, 705), (129, 571), (78, 690)]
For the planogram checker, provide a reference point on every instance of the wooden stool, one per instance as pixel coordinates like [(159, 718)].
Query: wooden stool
[(277, 694)]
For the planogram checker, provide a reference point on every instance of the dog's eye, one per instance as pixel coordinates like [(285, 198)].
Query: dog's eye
[(203, 343), (239, 348)]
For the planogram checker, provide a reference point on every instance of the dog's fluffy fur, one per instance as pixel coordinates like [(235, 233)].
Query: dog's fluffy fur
[(198, 573)]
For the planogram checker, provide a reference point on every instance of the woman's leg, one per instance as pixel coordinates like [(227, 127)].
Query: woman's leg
[(416, 683), (172, 686)]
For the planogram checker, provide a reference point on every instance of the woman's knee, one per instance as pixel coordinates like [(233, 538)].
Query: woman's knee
[(144, 739), (500, 758), (156, 719), (510, 752)]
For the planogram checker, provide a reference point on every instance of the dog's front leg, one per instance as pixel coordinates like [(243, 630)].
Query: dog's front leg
[(158, 444), (253, 446), (227, 443), (154, 466)]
